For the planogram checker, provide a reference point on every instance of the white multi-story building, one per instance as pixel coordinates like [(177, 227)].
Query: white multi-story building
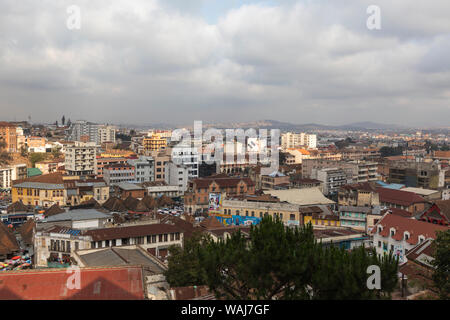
[(106, 134), (144, 168), (80, 159), (11, 173), (177, 175), (332, 179), (296, 140), (397, 234), (188, 156)]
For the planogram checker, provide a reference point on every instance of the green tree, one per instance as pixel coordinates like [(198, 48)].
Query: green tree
[(276, 262), (36, 157), (441, 262), (184, 264), (56, 153)]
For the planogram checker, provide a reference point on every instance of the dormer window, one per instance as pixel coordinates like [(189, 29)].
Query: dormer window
[(406, 235), (380, 228), (421, 239), (392, 232)]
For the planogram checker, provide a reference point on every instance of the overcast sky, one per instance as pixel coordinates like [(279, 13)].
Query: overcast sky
[(176, 61)]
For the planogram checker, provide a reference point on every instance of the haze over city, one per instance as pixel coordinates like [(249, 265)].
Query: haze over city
[(148, 61)]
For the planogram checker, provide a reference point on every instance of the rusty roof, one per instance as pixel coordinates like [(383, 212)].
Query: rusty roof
[(110, 283)]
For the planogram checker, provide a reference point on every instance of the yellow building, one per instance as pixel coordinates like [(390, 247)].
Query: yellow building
[(154, 143), (117, 153), (42, 191), (318, 218), (286, 212)]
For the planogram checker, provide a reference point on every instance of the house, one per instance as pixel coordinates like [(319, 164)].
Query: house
[(43, 190), (55, 246), (275, 180), (127, 189), (79, 191), (251, 211), (397, 234), (197, 197), (408, 201), (155, 235), (362, 194), (354, 217), (77, 219)]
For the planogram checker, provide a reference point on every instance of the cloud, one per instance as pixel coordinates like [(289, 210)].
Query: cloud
[(148, 61)]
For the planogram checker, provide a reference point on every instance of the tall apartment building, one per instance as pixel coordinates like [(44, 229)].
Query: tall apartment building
[(92, 132), (177, 175), (161, 159), (296, 140), (8, 134), (106, 134), (356, 171), (188, 156), (144, 168), (80, 159), (81, 128), (427, 175), (332, 179)]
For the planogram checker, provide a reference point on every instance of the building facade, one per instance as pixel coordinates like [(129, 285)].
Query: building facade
[(80, 159)]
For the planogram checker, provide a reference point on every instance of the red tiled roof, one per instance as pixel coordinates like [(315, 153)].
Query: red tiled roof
[(53, 178), (415, 228), (444, 208), (403, 198), (364, 186), (401, 212), (113, 283)]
